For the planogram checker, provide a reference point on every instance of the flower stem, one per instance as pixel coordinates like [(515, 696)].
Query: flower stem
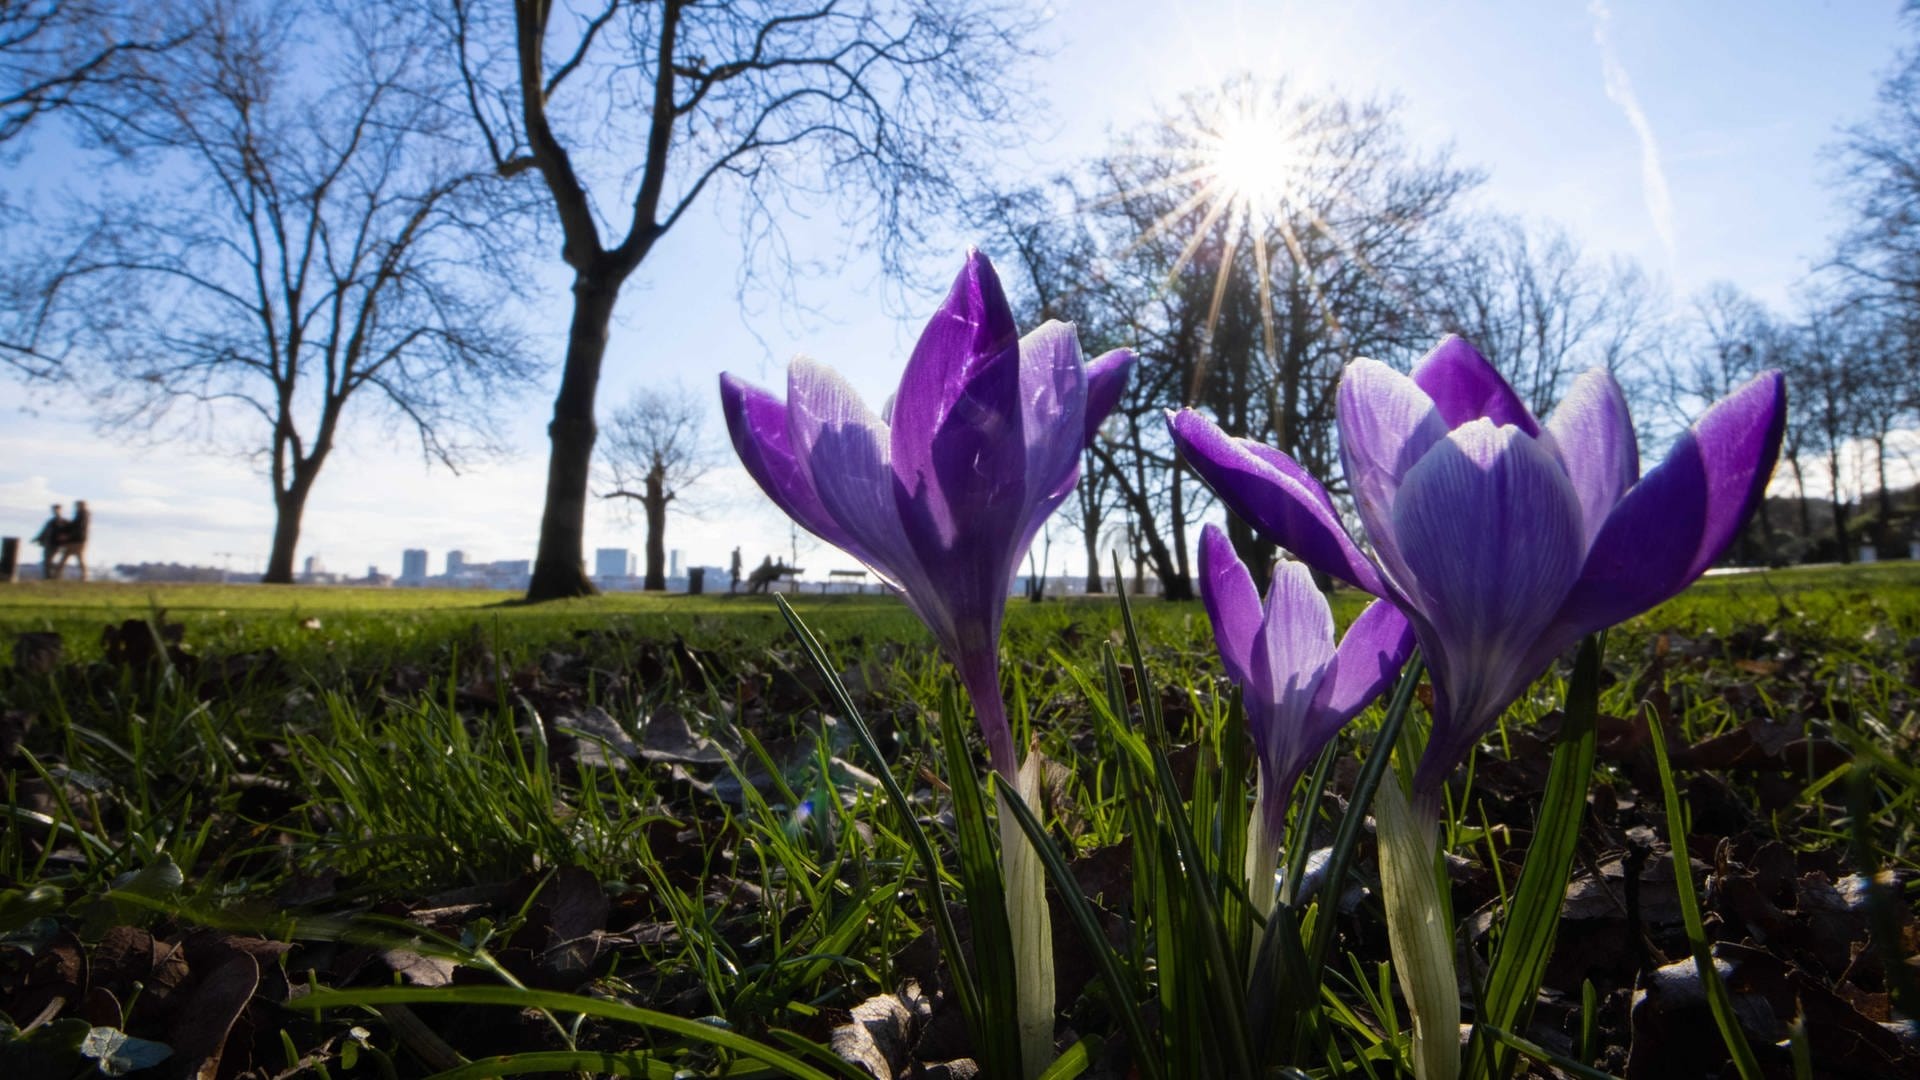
[(1418, 932), (1264, 836), (1030, 926)]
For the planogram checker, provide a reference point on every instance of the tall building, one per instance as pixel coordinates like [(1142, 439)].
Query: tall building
[(673, 562), (456, 562), (413, 564), (612, 563)]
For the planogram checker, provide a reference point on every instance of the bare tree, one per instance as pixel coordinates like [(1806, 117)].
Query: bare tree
[(654, 452), (304, 238), (1878, 263), (1880, 174), (79, 57), (1832, 349), (1257, 239), (1542, 312), (1883, 401), (1045, 249), (878, 105), (1732, 337)]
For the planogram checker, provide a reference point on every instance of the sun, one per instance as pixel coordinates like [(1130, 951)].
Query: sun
[(1248, 169), (1259, 163)]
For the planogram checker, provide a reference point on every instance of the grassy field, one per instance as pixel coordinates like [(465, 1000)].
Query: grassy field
[(657, 801), (1846, 600)]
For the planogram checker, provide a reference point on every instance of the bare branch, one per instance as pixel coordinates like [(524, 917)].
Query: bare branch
[(301, 244)]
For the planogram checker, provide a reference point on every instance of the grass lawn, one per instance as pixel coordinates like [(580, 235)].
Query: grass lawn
[(252, 793)]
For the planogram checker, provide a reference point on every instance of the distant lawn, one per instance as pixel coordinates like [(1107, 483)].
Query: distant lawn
[(1845, 600), (117, 597), (347, 621), (296, 618)]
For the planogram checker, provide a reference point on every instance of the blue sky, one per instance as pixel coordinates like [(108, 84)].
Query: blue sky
[(1695, 138)]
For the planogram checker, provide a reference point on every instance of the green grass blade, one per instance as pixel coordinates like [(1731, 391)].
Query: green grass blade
[(1587, 1047), (1279, 991), (1300, 834), (999, 1053), (1347, 836), (800, 1044), (553, 1001), (1718, 998), (962, 980), (1203, 925), (1077, 1059), (632, 1063), (1883, 907), (1532, 918), (1145, 1049), (1545, 1056)]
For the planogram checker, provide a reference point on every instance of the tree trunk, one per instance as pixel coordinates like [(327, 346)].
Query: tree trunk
[(1091, 519), (1800, 490), (1839, 507), (289, 505), (1257, 553), (1883, 530), (655, 505), (559, 567), (1179, 584), (1767, 544)]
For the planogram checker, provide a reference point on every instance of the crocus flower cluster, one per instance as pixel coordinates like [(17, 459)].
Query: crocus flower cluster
[(1503, 539), (1297, 687), (940, 496)]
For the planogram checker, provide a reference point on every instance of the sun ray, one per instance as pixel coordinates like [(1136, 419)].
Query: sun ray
[(1253, 171)]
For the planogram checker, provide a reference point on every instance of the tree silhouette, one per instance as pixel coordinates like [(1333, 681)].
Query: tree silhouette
[(303, 239), (654, 453), (881, 107)]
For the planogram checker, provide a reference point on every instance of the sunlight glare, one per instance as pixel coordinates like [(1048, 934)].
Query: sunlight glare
[(1255, 163), (1253, 171)]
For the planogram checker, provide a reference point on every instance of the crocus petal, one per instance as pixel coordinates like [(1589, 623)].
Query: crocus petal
[(1233, 604), (757, 423), (1387, 424), (1106, 379), (1739, 441), (1594, 433), (1271, 492), (1370, 656), (1490, 530), (1290, 656), (1465, 387), (961, 382), (1682, 515), (843, 446), (1053, 401)]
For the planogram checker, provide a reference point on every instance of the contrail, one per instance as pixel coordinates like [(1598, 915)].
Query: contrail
[(1653, 178)]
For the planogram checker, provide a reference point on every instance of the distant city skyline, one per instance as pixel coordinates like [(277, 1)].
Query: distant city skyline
[(1694, 139)]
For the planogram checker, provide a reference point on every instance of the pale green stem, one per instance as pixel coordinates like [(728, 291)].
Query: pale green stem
[(1264, 835), (1417, 931), (1029, 925)]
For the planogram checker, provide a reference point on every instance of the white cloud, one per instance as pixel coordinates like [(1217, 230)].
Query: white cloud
[(1653, 177)]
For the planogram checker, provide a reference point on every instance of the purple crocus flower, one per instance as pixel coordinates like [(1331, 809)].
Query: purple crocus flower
[(1298, 688), (1503, 539), (942, 493)]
